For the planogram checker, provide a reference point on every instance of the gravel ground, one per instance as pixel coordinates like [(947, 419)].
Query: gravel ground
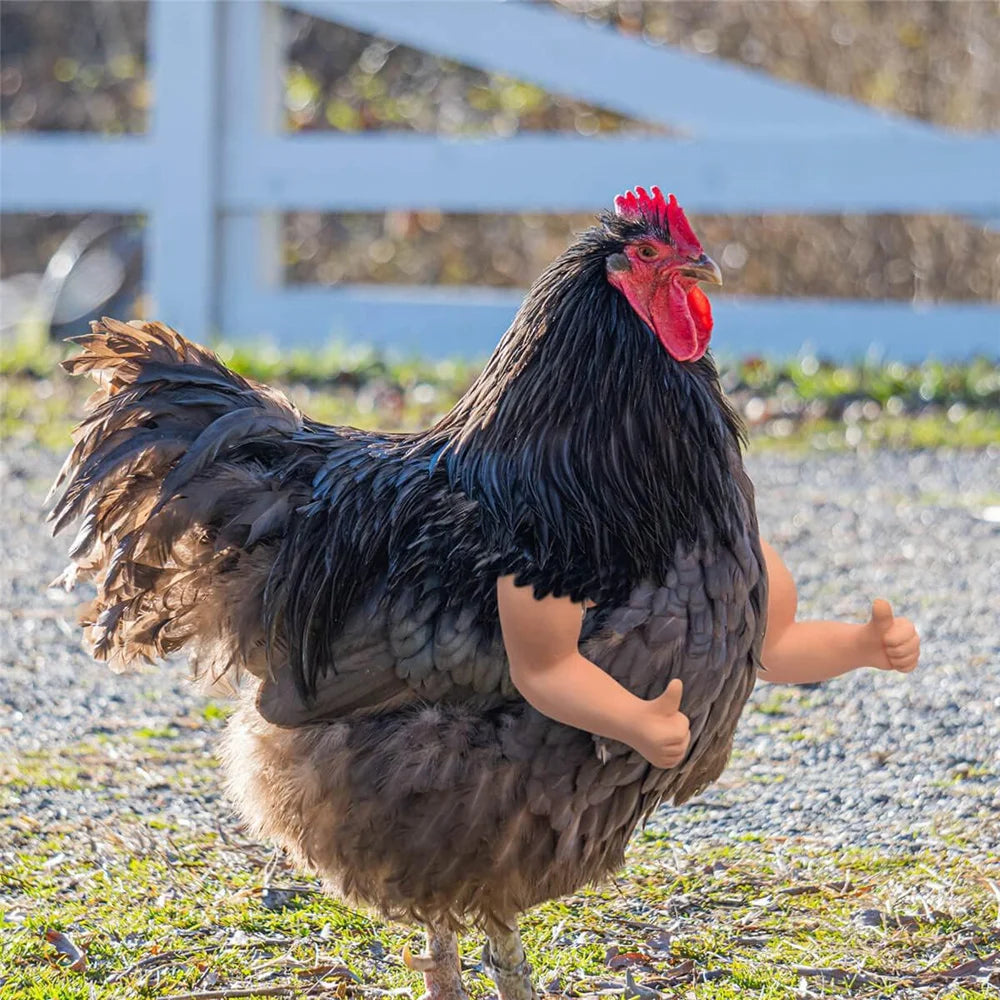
[(868, 759)]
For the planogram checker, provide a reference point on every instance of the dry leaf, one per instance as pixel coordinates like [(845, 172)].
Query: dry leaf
[(63, 945)]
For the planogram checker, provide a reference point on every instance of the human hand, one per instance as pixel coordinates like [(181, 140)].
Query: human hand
[(895, 640), (664, 731)]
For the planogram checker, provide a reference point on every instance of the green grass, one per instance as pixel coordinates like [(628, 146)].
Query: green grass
[(802, 404), (977, 429), (976, 383), (159, 914), (163, 906)]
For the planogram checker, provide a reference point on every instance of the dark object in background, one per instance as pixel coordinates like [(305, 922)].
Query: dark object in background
[(97, 269)]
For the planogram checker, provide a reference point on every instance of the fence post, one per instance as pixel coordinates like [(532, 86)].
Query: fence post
[(252, 105), (181, 244)]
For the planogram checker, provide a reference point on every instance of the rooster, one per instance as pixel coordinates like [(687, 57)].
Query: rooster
[(350, 577)]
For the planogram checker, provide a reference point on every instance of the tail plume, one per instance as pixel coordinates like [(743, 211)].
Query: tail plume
[(183, 477)]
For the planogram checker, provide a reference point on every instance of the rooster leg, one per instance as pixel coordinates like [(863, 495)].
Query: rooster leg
[(505, 963), (439, 964)]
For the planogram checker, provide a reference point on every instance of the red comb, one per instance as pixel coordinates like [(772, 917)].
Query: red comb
[(653, 208), (680, 229), (642, 207)]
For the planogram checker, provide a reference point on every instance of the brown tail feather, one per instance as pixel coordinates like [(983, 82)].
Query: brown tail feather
[(183, 473)]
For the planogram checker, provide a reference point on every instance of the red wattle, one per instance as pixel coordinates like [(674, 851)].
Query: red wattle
[(701, 310), (701, 313), (682, 320)]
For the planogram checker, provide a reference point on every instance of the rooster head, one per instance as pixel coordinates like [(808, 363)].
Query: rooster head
[(658, 269)]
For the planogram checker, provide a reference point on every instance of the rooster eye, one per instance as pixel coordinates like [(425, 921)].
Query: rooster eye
[(646, 252)]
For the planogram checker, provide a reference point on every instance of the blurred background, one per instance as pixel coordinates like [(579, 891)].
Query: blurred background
[(89, 66)]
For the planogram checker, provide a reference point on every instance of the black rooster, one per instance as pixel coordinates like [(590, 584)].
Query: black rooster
[(353, 576)]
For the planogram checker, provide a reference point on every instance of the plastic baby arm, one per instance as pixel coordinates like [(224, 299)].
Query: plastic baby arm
[(542, 637), (801, 652)]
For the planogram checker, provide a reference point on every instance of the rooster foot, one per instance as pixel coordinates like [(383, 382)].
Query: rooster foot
[(505, 963), (418, 963), (439, 964)]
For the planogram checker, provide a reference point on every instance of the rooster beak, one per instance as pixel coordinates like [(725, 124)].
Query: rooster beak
[(703, 269)]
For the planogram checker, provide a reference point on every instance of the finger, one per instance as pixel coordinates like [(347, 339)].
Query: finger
[(900, 635), (670, 757), (680, 742), (670, 701), (903, 655), (881, 615), (897, 642), (911, 657), (903, 650), (905, 664)]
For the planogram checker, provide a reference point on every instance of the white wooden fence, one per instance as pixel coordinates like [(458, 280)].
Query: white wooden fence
[(216, 169)]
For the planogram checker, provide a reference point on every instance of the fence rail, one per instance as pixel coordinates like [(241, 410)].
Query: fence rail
[(216, 169)]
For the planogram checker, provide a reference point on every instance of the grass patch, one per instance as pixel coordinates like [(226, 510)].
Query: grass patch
[(160, 887), (165, 902), (798, 404), (160, 913), (976, 429), (148, 733)]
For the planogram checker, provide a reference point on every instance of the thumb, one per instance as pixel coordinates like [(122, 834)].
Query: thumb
[(669, 703), (881, 615)]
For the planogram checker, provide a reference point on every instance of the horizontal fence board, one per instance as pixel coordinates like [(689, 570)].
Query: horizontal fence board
[(598, 64), (435, 323), (564, 173), (66, 172), (524, 173), (439, 322), (846, 329)]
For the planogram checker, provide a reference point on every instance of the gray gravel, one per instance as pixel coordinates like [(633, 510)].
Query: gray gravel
[(871, 758)]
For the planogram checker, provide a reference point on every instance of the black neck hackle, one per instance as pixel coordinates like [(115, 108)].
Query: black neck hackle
[(584, 432)]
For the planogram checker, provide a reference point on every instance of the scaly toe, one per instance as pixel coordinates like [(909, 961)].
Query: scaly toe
[(418, 963), (512, 983)]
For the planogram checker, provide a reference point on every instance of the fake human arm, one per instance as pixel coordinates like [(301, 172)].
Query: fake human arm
[(542, 637), (802, 652)]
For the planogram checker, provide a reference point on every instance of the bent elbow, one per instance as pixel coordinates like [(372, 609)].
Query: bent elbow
[(534, 685), (521, 676)]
